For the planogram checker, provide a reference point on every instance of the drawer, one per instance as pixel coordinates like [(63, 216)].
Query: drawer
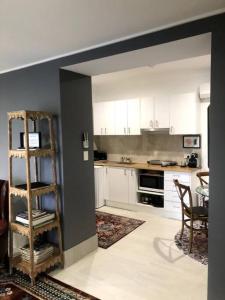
[(182, 177), (172, 206), (169, 184), (173, 196)]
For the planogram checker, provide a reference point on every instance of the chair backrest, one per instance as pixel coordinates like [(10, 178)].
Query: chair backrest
[(182, 190), (203, 176), (4, 192)]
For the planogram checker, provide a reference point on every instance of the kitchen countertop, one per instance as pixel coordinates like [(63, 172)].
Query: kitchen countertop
[(145, 166)]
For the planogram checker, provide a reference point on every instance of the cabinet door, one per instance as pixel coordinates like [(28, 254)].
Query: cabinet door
[(184, 114), (147, 113), (133, 186), (99, 118), (106, 184), (161, 112), (118, 185), (133, 117), (109, 118), (121, 117)]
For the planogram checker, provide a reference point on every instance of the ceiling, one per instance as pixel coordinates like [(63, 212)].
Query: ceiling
[(33, 31), (199, 63), (152, 56)]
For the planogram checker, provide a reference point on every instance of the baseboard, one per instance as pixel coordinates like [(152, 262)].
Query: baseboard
[(74, 254)]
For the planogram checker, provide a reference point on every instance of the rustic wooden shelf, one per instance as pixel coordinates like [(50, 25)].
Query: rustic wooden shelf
[(51, 188), (30, 191), (25, 230), (26, 114), (31, 153), (25, 266)]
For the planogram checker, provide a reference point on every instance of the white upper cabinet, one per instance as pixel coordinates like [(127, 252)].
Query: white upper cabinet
[(104, 118), (133, 117), (99, 118), (147, 113), (161, 112), (184, 114), (155, 112), (121, 117), (127, 116), (109, 112)]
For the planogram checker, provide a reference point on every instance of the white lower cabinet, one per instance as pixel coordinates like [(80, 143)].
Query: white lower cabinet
[(120, 185), (172, 203)]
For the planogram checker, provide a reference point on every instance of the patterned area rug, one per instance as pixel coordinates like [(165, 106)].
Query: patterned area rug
[(199, 248), (112, 228), (18, 287)]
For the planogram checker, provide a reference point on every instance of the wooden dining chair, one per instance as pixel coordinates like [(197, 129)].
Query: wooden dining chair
[(190, 213), (204, 180)]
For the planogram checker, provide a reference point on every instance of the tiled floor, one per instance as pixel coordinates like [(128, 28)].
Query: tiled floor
[(145, 265)]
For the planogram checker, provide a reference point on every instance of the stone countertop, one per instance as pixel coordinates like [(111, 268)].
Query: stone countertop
[(145, 166)]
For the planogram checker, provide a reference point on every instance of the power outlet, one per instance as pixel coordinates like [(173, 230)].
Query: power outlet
[(85, 155)]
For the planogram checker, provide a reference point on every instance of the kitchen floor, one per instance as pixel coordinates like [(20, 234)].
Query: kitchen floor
[(144, 265)]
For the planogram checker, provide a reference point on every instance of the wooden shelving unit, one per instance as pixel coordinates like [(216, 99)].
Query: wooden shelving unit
[(29, 267)]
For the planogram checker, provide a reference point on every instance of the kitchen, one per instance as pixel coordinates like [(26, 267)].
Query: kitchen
[(142, 118)]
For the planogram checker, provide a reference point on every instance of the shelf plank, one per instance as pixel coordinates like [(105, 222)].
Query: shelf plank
[(52, 188), (24, 230), (25, 266), (31, 153), (22, 114)]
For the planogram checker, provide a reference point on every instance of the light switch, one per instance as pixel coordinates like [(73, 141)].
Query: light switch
[(85, 155)]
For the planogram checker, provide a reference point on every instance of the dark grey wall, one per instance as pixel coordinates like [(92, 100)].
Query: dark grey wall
[(78, 185), (33, 88), (38, 88), (216, 287)]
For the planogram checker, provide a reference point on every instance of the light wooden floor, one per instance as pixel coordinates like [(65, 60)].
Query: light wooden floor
[(145, 265)]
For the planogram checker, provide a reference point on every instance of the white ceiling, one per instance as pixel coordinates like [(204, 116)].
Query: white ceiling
[(33, 31), (151, 56), (193, 65)]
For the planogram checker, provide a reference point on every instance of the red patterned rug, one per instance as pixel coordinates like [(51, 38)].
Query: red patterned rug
[(18, 287), (199, 248), (112, 228)]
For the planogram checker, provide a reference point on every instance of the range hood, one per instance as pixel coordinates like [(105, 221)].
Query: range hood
[(155, 130)]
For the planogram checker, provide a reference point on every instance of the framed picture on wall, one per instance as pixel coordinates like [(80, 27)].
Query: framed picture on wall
[(192, 141)]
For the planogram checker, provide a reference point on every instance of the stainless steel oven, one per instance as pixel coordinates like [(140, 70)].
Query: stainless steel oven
[(151, 181)]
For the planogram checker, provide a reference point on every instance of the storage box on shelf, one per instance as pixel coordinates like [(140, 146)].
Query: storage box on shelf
[(33, 223)]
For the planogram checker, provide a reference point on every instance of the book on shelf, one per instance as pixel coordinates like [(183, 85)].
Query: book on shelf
[(39, 217), (33, 185), (41, 252)]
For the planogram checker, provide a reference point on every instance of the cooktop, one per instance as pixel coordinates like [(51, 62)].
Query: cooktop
[(163, 163)]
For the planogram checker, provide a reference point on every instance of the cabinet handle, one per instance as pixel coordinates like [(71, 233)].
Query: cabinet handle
[(101, 130), (125, 172), (106, 170), (131, 172), (124, 130), (151, 124), (129, 130), (171, 130), (105, 130), (157, 123)]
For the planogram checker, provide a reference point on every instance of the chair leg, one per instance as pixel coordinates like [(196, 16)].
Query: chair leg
[(182, 228), (206, 229), (190, 237)]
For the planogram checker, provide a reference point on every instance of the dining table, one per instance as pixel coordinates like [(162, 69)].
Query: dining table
[(202, 190)]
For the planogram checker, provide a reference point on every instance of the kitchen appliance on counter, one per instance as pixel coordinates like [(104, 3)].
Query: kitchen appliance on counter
[(100, 155), (163, 163), (193, 160)]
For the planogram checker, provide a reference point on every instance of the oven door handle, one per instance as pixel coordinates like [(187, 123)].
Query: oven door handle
[(152, 175)]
